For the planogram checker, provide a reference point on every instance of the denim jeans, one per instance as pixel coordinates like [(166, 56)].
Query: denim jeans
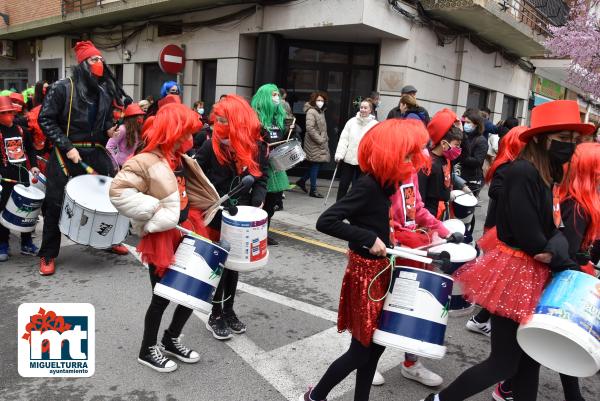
[(312, 172)]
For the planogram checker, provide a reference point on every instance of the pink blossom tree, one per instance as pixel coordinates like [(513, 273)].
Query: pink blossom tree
[(579, 40)]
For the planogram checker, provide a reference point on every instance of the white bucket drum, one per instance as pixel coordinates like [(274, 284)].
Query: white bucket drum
[(22, 209), (463, 205), (564, 332), (286, 156), (40, 182), (246, 232), (415, 312), (454, 226), (192, 280), (88, 217), (459, 255)]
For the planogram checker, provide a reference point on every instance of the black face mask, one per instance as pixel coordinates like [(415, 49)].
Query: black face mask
[(561, 152)]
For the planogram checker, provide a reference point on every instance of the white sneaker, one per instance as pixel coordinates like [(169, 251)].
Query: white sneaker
[(378, 379), (421, 374), (480, 328)]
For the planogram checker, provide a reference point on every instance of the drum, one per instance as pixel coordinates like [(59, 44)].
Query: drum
[(459, 255), (286, 156), (88, 217), (454, 226), (415, 312), (22, 209), (192, 279), (463, 205), (563, 334), (247, 234)]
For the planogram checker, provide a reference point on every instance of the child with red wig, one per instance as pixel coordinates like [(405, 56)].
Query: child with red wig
[(235, 150), (388, 154), (158, 189)]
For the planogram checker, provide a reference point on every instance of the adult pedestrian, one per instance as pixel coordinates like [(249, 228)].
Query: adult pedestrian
[(408, 108), (475, 148), (374, 96), (346, 154), (286, 106), (316, 141)]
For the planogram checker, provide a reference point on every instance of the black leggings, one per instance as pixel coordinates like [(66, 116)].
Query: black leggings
[(506, 360), (225, 293), (154, 316), (348, 174), (358, 357), (570, 386)]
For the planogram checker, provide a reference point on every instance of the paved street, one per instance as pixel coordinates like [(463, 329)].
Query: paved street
[(289, 307)]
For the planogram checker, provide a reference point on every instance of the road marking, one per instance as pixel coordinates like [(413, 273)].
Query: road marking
[(309, 240)]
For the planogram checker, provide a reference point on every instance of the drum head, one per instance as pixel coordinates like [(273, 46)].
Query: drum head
[(91, 192), (29, 192), (459, 253), (454, 226), (463, 199), (247, 213)]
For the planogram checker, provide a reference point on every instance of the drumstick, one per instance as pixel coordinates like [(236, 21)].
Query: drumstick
[(12, 181), (292, 126), (42, 159), (410, 256), (88, 169)]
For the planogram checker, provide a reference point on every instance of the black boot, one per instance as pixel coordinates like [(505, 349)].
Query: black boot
[(302, 185), (315, 194)]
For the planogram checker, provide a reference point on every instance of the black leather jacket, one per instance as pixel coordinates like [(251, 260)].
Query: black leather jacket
[(55, 113)]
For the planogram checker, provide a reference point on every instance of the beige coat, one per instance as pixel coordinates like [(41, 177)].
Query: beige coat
[(146, 191), (316, 141)]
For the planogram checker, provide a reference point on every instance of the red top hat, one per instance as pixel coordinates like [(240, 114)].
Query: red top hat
[(133, 110), (440, 124), (6, 104), (555, 116)]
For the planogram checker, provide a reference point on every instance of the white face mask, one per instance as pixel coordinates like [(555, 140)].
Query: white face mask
[(320, 103), (276, 100), (200, 110)]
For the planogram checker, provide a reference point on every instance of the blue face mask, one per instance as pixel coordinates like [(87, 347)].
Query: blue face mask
[(469, 128), (200, 110)]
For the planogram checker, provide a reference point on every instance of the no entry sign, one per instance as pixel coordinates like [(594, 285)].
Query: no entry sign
[(171, 59)]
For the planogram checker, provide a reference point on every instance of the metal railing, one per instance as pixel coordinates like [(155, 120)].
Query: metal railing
[(71, 6), (537, 14)]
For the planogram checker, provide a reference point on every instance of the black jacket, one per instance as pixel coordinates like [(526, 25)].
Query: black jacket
[(55, 113), (421, 112), (473, 155)]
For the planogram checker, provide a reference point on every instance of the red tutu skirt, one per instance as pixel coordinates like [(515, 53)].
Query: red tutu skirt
[(504, 281), (412, 239), (158, 249), (357, 313), (488, 240)]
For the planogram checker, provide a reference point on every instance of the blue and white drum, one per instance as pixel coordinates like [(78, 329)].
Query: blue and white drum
[(564, 332), (192, 280), (415, 312), (22, 209)]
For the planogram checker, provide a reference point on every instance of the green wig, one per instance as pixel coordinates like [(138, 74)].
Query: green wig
[(268, 113)]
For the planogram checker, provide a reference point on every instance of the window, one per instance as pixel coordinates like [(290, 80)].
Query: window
[(477, 97), (118, 71), (509, 107), (154, 78), (209, 85)]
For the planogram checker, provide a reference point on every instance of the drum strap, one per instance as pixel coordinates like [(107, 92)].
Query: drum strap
[(77, 145), (70, 107)]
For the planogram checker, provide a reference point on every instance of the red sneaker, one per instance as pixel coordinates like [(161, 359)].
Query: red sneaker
[(119, 249), (47, 266)]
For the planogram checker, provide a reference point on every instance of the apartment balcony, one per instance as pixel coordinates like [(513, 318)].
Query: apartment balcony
[(519, 26)]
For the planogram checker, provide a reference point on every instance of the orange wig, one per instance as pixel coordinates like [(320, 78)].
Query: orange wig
[(509, 148), (172, 124), (581, 183), (243, 132), (384, 149)]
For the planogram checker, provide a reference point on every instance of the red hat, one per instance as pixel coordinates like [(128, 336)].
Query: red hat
[(6, 104), (133, 110), (558, 115), (169, 99), (85, 50), (440, 124), (17, 97)]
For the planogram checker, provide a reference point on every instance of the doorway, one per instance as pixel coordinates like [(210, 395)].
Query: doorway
[(344, 71)]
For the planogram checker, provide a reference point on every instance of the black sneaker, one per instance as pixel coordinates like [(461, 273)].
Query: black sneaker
[(235, 325), (272, 241), (218, 327), (302, 185), (154, 359), (173, 346), (315, 194)]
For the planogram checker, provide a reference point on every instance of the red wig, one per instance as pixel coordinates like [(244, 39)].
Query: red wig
[(581, 184), (172, 124), (385, 147), (243, 132), (509, 148)]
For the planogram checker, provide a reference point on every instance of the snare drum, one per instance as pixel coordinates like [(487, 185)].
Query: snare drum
[(463, 205), (286, 156), (88, 217)]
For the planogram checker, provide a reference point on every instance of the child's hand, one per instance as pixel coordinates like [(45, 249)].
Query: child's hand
[(378, 248)]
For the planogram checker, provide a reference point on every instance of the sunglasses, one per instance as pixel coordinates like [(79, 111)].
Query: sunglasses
[(96, 59), (174, 91)]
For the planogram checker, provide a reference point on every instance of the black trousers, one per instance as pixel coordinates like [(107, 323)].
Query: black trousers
[(154, 316), (358, 357), (506, 360), (225, 293), (271, 200), (56, 180), (348, 174), (7, 188)]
